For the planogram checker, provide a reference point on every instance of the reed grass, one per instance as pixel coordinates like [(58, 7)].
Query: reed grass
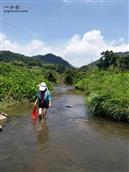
[(107, 93)]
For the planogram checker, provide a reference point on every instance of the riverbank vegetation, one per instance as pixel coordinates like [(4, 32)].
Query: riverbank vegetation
[(20, 75), (107, 92), (18, 83), (106, 85), (105, 82)]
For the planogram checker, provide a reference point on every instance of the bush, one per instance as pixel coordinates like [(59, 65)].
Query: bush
[(18, 83), (108, 93)]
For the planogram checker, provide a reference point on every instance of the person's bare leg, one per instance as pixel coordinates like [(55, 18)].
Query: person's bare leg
[(44, 113), (40, 113)]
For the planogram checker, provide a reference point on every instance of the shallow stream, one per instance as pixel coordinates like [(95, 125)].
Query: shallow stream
[(70, 140)]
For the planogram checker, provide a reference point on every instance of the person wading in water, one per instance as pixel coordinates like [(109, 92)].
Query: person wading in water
[(43, 98)]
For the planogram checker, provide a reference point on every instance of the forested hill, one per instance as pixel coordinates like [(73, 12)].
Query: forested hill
[(123, 54), (39, 60), (110, 59), (19, 59), (52, 59)]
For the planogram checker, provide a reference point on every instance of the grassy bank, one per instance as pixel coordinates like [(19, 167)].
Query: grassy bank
[(19, 83), (107, 93)]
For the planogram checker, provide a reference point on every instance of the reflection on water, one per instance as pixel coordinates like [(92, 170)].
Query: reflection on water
[(110, 129), (42, 134), (103, 128)]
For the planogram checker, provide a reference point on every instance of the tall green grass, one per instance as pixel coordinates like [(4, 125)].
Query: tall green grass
[(107, 93), (19, 83)]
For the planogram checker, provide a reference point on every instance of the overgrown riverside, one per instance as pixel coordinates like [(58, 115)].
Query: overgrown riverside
[(105, 82), (18, 83), (107, 92), (20, 75), (106, 85)]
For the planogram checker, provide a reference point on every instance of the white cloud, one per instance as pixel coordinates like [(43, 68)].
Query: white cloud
[(77, 50), (88, 48), (33, 47)]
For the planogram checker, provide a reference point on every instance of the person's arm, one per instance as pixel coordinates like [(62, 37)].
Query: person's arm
[(50, 103), (36, 99), (49, 98), (35, 103)]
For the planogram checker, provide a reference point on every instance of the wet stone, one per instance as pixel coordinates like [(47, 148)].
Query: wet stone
[(0, 128)]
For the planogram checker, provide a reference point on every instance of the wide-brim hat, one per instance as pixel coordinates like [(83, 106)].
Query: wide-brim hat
[(42, 86)]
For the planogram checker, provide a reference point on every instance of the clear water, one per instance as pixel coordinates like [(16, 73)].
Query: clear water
[(69, 140)]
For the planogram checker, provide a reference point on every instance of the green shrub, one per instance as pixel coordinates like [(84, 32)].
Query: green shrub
[(108, 93), (18, 83)]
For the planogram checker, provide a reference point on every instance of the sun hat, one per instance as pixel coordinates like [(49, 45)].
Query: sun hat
[(42, 86)]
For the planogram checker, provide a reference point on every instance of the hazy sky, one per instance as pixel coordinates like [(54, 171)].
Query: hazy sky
[(76, 30)]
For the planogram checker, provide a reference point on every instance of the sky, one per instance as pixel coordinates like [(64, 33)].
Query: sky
[(76, 30)]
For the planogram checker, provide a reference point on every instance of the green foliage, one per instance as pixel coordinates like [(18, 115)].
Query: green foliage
[(51, 77), (69, 76), (18, 83), (20, 75), (108, 93), (116, 60), (18, 59)]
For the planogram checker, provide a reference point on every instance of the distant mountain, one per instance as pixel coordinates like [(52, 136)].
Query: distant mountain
[(52, 59), (39, 60), (8, 56), (90, 65), (122, 54)]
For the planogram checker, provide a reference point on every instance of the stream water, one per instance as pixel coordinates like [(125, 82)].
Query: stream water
[(70, 140)]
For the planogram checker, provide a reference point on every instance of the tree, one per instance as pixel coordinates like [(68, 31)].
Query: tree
[(108, 58)]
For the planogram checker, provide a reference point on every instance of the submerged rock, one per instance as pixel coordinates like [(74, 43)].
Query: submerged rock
[(3, 116), (0, 128), (68, 106)]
